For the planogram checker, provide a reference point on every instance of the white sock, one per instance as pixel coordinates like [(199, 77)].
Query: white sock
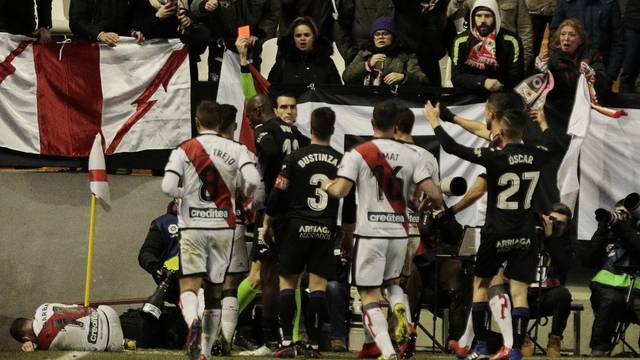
[(229, 317), (395, 295), (210, 329), (377, 324), (200, 302), (189, 306), (368, 338), (500, 305), (467, 337)]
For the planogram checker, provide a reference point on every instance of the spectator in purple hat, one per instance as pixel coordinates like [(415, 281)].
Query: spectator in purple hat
[(384, 62)]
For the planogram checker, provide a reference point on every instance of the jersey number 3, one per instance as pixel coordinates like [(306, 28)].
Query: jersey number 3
[(513, 180), (319, 202)]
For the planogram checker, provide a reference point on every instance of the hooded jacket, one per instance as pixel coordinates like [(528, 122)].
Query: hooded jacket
[(292, 68), (18, 17), (514, 15), (603, 23), (509, 55)]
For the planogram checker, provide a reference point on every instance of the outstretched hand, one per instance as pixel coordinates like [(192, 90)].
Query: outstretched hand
[(432, 114)]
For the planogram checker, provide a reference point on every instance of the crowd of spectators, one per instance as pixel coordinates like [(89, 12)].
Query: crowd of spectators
[(419, 34)]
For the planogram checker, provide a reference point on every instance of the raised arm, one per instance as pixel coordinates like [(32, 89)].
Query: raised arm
[(474, 155)]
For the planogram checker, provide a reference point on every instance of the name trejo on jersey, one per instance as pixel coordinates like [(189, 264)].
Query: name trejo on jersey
[(315, 231), (208, 213), (317, 157), (92, 336), (228, 159), (520, 159), (386, 217)]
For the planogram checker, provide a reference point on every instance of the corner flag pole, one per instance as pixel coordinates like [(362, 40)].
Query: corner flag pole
[(92, 227)]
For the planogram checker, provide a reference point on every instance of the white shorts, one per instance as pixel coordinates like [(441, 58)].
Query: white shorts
[(206, 252), (412, 247), (376, 260), (116, 338), (239, 256)]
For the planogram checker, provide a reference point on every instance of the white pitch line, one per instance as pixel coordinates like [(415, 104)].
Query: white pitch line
[(73, 355)]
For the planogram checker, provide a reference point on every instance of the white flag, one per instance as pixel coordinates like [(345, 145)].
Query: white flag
[(98, 174)]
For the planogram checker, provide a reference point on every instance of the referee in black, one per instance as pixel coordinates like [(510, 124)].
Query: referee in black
[(308, 239)]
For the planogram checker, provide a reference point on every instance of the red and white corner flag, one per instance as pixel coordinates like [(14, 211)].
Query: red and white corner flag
[(98, 174)]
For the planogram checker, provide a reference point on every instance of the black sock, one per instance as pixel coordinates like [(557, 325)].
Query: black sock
[(520, 318), (480, 316), (316, 316), (287, 310)]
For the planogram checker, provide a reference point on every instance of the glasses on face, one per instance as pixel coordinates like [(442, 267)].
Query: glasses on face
[(381, 34)]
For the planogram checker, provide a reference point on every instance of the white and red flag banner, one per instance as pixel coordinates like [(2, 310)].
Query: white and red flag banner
[(54, 98), (98, 182)]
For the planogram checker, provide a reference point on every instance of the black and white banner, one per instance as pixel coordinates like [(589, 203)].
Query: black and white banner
[(605, 150)]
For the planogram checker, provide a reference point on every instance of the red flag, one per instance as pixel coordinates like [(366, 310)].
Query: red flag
[(98, 174)]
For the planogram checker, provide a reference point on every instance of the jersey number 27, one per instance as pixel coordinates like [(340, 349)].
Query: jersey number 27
[(513, 180)]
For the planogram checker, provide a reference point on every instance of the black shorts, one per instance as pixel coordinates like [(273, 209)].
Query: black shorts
[(519, 251), (307, 245), (260, 252)]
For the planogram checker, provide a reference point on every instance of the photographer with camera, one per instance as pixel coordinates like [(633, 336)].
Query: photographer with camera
[(614, 247), (548, 296)]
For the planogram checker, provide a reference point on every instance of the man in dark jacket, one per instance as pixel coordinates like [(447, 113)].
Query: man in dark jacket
[(631, 65), (18, 17), (487, 56), (422, 27), (603, 23), (355, 17), (102, 20), (614, 244), (162, 244)]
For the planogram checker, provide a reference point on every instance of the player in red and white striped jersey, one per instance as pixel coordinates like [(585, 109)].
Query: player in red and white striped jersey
[(70, 327), (211, 168), (384, 171)]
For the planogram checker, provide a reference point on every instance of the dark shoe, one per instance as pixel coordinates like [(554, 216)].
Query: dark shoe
[(408, 348), (338, 345), (479, 351), (193, 340), (244, 343)]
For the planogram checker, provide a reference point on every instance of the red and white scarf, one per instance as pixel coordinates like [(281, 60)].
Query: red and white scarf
[(483, 54)]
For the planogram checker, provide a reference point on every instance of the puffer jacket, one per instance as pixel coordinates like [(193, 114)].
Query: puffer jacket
[(88, 18), (18, 17), (351, 30), (400, 62), (514, 15), (295, 69), (603, 23)]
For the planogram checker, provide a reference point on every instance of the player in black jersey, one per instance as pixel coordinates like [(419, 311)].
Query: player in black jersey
[(509, 230), (308, 241), (275, 139)]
